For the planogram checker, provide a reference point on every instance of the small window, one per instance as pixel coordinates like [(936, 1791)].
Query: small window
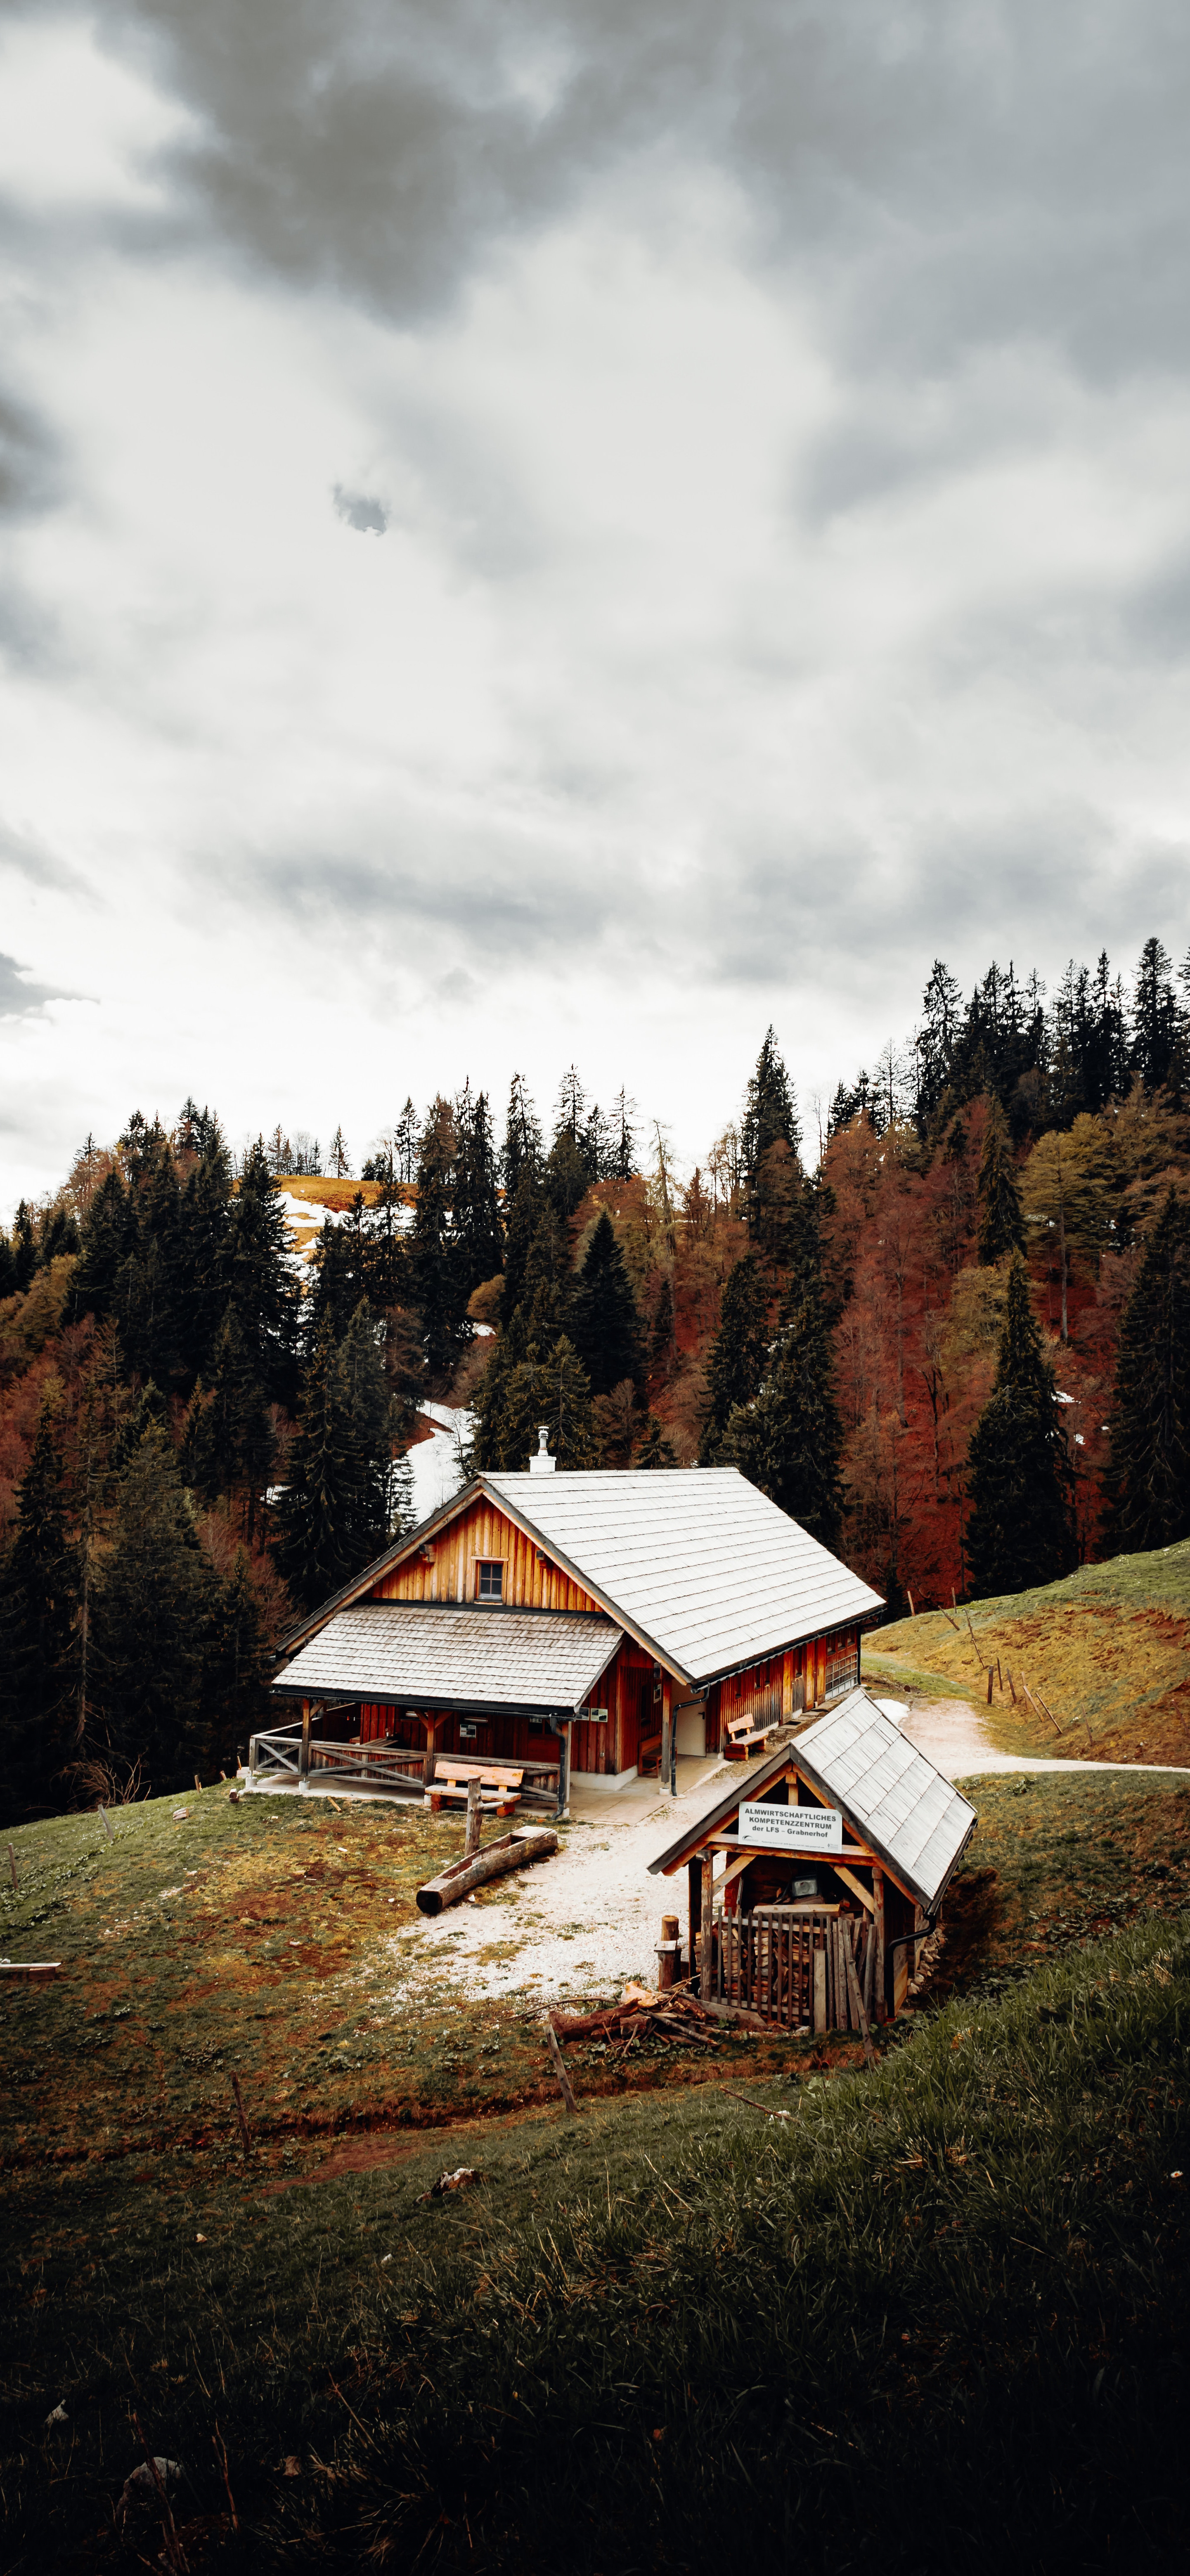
[(489, 1582)]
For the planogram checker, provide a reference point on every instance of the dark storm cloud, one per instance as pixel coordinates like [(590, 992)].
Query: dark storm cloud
[(977, 172)]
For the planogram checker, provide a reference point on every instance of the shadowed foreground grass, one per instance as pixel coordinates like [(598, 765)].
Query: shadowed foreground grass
[(938, 2311)]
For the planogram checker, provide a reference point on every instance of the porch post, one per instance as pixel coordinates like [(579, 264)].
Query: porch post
[(563, 1732), (694, 1883), (707, 1916), (667, 1781), (431, 1720), (304, 1755)]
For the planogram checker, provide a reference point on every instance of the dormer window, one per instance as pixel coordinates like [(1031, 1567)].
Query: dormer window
[(489, 1579)]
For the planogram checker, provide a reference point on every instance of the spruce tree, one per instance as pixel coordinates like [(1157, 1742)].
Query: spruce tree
[(260, 1280), (605, 1328), (8, 1267), (333, 1512), (477, 1229), (549, 1386), (153, 1623), (1001, 1218), (739, 1352), (1020, 1531), (1148, 1477), (204, 1230), (229, 1444), (788, 1440), (24, 1247), (38, 1612), (1154, 1016), (108, 1235), (522, 1140), (524, 1216), (238, 1664), (436, 1274), (655, 1451)]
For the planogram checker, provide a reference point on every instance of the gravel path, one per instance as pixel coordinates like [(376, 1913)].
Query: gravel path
[(580, 1923), (954, 1736)]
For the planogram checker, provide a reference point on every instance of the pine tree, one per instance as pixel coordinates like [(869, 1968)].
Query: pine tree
[(204, 1232), (1154, 1016), (39, 1598), (770, 1120), (524, 1217), (108, 1236), (663, 1337), (229, 1445), (386, 1264), (655, 1451), (622, 1158), (24, 1248), (522, 1140), (739, 1352), (1148, 1477), (477, 1229), (238, 1664), (436, 1274), (340, 1157), (550, 1387), (1001, 1219), (334, 1511), (788, 1440), (8, 1267), (153, 1623), (936, 1041), (567, 1178), (1020, 1531), (260, 1280), (604, 1326)]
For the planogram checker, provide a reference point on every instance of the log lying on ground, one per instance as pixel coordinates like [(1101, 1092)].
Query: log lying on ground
[(512, 1851)]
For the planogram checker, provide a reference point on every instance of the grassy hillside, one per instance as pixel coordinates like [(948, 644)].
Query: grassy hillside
[(672, 2324), (1107, 1650)]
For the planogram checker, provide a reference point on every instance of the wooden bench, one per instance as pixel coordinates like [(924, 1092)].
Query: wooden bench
[(742, 1734), (648, 1758), (499, 1783)]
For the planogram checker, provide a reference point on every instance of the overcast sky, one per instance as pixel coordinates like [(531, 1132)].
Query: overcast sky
[(542, 533)]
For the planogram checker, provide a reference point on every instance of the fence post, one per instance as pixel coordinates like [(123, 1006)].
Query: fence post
[(563, 1767), (304, 1755)]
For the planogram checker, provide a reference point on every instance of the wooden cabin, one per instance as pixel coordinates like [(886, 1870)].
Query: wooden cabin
[(587, 1624), (812, 1885)]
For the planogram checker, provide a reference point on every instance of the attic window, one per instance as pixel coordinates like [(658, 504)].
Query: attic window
[(489, 1580)]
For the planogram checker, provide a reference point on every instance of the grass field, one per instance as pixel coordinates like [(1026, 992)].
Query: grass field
[(1107, 1650), (964, 2242)]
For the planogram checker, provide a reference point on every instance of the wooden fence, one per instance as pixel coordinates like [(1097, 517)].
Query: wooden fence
[(397, 1770), (791, 1967)]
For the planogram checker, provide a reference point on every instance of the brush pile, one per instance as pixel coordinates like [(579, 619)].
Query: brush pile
[(677, 2017)]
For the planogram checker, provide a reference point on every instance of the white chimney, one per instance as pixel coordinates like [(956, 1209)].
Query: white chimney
[(541, 1464)]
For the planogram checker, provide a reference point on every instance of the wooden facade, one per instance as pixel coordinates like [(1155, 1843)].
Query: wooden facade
[(476, 1555)]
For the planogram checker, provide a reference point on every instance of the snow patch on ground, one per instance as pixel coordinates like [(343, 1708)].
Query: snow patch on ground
[(436, 1463)]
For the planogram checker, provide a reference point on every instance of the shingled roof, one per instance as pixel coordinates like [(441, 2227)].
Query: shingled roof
[(422, 1654), (907, 1812), (697, 1562)]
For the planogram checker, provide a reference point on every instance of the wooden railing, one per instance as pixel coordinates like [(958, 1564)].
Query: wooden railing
[(396, 1769), (792, 1967)]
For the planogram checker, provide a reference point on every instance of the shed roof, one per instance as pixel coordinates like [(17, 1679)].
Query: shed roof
[(416, 1654), (901, 1806), (696, 1561)]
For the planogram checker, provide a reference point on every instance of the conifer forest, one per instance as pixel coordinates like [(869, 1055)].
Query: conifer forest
[(948, 1330)]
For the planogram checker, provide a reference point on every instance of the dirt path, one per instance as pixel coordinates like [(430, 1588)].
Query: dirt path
[(583, 1921), (954, 1736)]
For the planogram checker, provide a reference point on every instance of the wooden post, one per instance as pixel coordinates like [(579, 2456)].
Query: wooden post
[(431, 1724), (706, 1922), (666, 1732), (304, 1755), (667, 1953), (474, 1818), (694, 1886), (563, 1767), (560, 2071), (881, 1992), (819, 1988)]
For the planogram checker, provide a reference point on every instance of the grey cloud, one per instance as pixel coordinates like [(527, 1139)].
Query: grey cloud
[(958, 171), (17, 995), (359, 512), (457, 986), (29, 463), (38, 865)]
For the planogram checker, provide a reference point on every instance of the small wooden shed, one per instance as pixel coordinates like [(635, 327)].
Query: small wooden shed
[(813, 1881)]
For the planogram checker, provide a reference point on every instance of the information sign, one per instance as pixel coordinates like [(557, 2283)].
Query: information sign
[(809, 1829)]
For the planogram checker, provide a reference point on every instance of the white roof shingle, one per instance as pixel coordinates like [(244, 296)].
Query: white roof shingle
[(904, 1807), (697, 1561), (412, 1654)]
